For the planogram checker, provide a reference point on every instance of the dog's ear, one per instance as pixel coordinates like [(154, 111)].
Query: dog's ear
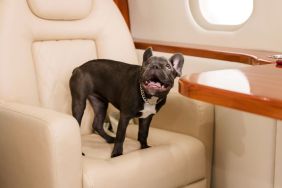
[(177, 61), (147, 54)]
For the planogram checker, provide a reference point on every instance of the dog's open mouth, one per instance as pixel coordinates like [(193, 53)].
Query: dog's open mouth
[(155, 83)]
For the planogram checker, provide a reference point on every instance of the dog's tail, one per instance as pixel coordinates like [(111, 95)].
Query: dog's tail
[(109, 126)]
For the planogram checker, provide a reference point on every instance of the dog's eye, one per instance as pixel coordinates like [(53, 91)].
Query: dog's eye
[(168, 66)]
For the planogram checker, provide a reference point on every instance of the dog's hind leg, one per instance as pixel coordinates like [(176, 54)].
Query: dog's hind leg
[(78, 104), (78, 107), (78, 94), (100, 107)]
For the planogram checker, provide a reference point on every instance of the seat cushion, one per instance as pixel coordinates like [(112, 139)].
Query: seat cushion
[(174, 160), (61, 10)]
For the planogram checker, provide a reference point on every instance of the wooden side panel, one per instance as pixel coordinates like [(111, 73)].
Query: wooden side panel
[(123, 7)]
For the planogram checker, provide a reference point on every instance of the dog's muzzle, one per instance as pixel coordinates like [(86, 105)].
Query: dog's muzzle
[(156, 82)]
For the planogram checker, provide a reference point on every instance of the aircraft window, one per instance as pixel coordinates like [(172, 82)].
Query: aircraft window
[(226, 14)]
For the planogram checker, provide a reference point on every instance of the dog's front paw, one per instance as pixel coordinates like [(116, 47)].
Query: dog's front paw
[(115, 155), (117, 151), (144, 146)]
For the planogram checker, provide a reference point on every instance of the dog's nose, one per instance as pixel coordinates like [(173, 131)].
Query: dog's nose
[(156, 66)]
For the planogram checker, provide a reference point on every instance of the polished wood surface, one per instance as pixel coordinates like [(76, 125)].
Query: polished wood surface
[(255, 89), (123, 7), (252, 57)]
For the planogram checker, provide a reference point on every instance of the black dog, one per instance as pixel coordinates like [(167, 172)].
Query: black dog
[(137, 91)]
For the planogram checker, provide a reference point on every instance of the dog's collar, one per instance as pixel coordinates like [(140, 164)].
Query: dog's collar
[(152, 101)]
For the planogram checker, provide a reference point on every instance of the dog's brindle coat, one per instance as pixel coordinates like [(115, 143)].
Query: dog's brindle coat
[(102, 81)]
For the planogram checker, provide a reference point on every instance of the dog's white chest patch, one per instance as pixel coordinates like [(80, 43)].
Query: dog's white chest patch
[(148, 110)]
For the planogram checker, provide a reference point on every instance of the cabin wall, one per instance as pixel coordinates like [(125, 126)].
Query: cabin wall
[(247, 150), (278, 157), (172, 21), (244, 150)]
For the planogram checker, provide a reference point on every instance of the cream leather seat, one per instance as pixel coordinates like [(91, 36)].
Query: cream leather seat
[(41, 42)]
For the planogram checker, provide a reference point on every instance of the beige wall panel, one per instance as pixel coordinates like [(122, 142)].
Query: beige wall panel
[(171, 20), (278, 159), (244, 150)]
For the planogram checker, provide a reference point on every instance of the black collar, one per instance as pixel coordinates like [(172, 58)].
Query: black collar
[(152, 101)]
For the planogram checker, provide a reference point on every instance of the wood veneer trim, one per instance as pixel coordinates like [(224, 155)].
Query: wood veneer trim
[(252, 57), (123, 7), (239, 101)]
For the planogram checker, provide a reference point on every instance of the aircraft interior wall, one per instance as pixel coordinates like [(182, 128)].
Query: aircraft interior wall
[(172, 21)]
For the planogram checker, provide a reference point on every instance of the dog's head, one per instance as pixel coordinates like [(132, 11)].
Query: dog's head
[(158, 73)]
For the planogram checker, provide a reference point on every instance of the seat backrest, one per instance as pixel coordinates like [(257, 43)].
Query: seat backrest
[(41, 42)]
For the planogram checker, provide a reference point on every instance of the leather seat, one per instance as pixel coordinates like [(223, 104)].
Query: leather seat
[(168, 163), (40, 142)]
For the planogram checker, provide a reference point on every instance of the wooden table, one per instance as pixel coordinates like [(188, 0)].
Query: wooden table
[(256, 89)]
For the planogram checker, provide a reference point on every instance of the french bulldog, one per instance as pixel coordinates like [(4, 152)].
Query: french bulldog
[(136, 91)]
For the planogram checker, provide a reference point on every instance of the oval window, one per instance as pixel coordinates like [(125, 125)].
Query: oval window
[(221, 13)]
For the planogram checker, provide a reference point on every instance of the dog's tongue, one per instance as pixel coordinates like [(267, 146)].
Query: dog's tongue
[(154, 84)]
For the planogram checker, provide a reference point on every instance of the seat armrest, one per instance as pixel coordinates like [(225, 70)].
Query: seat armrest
[(187, 116), (183, 115), (39, 148)]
